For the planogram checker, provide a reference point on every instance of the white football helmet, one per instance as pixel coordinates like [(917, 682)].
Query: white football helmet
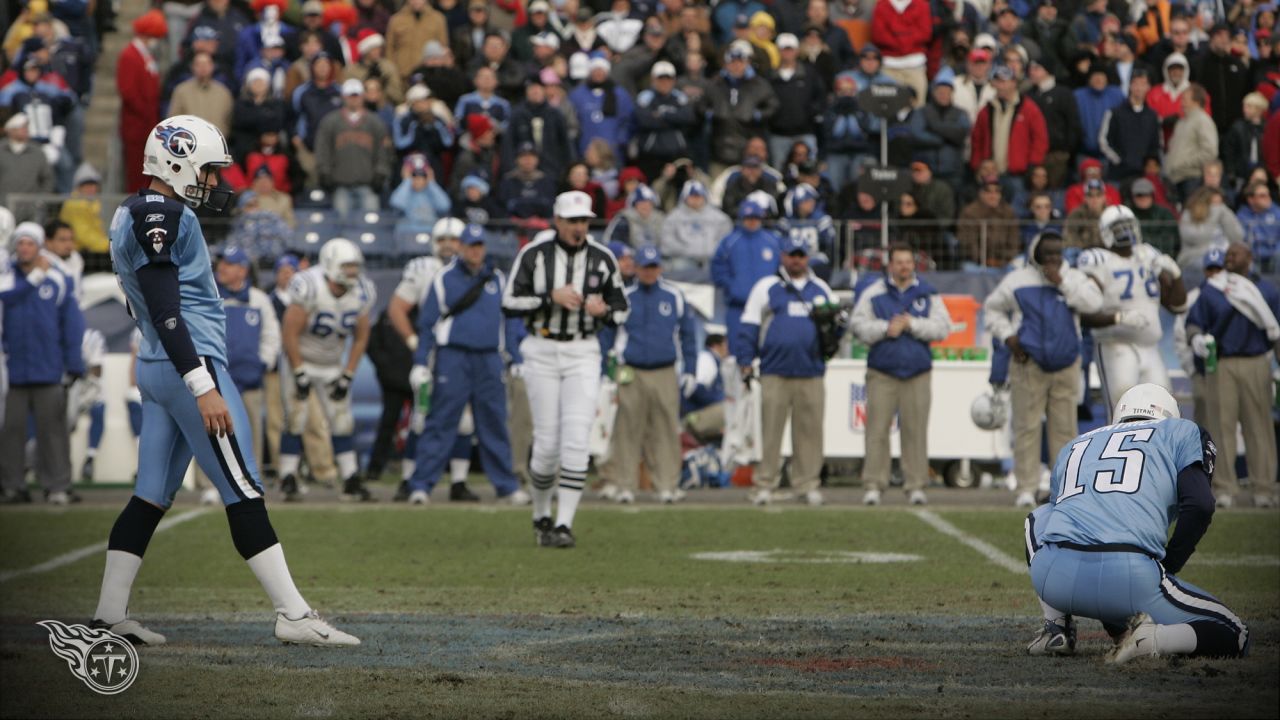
[(448, 227), (990, 410), (1147, 401), (1119, 227), (342, 262), (178, 151)]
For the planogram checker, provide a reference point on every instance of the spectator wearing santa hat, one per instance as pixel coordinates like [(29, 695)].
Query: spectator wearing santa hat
[(138, 84), (372, 63)]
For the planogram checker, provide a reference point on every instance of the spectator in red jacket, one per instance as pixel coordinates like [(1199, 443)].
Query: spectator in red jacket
[(1090, 169), (1011, 131), (138, 81), (902, 30)]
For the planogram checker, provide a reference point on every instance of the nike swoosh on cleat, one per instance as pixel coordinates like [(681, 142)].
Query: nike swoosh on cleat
[(321, 634), (1138, 644)]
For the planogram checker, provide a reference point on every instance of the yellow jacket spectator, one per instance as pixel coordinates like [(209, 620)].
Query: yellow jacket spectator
[(83, 212)]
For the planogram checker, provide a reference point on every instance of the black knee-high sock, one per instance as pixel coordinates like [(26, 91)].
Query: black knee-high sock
[(125, 547)]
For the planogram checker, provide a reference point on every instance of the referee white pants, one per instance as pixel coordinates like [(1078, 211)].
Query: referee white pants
[(562, 379), (1126, 364)]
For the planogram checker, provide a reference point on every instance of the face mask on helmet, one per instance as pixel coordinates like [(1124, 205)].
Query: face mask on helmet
[(207, 193), (1124, 233)]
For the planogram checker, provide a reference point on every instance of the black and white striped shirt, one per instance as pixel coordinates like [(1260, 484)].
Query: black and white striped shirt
[(546, 264)]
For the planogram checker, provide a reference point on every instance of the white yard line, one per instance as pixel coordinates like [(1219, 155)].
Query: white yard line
[(995, 555), (94, 549)]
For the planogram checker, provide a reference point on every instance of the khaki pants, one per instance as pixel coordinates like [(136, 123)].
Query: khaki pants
[(253, 400), (910, 400), (316, 443), (274, 403), (1242, 393), (802, 399), (913, 78), (1040, 395), (648, 428), (519, 427), (706, 424)]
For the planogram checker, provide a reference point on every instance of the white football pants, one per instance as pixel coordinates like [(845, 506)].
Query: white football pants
[(1126, 364), (562, 379)]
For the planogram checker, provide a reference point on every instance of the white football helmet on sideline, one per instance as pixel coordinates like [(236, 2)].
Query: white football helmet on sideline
[(1147, 401), (178, 151), (342, 262), (1118, 227), (990, 410), (448, 227)]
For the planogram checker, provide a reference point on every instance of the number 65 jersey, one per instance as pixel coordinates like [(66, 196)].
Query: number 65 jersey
[(1119, 484), (330, 318), (1128, 283)]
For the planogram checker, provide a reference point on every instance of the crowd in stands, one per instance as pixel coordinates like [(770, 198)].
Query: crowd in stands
[(1025, 114)]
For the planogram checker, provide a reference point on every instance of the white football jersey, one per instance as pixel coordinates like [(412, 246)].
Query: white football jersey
[(417, 278), (1128, 283), (330, 319), (93, 348), (72, 266)]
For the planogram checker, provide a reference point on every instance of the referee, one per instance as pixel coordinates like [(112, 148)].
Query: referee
[(566, 286)]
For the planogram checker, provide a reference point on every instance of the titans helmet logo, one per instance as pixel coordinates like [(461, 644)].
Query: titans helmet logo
[(179, 141)]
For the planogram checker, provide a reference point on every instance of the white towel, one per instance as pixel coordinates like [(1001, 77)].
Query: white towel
[(1247, 299)]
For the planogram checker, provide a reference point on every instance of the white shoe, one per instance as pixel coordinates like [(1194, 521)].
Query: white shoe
[(1139, 640), (131, 630), (311, 630), (871, 497), (59, 498), (419, 497), (917, 497), (761, 498), (625, 497), (210, 497), (679, 494), (1225, 501), (1025, 500), (609, 492), (520, 497), (1263, 500), (666, 497), (814, 498)]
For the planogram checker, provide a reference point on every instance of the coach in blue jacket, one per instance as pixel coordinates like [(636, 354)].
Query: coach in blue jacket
[(791, 371), (1035, 312), (460, 348), (898, 315), (43, 330), (742, 258), (1239, 311), (655, 344)]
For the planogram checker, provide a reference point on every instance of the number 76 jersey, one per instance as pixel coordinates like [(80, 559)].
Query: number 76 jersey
[(330, 318), (1119, 483)]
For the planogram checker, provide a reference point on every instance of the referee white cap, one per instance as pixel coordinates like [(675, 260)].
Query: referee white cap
[(573, 204)]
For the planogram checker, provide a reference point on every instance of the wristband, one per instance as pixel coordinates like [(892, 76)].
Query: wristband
[(199, 381)]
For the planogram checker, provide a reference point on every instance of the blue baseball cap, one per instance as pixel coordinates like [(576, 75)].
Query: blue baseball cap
[(1216, 257), (750, 209), (792, 244), (648, 256), (290, 259), (473, 235), (236, 256), (620, 249)]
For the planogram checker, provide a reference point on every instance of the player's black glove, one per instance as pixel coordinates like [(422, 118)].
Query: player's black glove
[(339, 388), (301, 384)]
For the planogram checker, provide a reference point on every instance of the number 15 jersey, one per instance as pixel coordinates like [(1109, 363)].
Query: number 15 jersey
[(330, 318), (1119, 484)]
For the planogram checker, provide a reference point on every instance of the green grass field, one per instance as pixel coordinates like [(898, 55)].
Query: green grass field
[(462, 616)]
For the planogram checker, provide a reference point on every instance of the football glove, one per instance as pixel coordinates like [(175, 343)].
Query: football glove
[(1131, 319), (419, 375), (516, 371), (301, 384), (339, 388), (1165, 264), (688, 385), (1200, 345)]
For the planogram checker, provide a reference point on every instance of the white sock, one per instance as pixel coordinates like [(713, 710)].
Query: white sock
[(90, 453), (541, 501), (458, 469), (1177, 639), (347, 464), (117, 581), (272, 571), (1051, 613), (570, 488), (407, 467), (289, 465)]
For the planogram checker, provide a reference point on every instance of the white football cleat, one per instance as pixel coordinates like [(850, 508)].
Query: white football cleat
[(625, 497), (679, 494), (1224, 500), (210, 497), (520, 497), (666, 497), (131, 630), (1138, 641), (917, 497), (1263, 500), (1055, 638), (419, 497), (609, 492), (310, 629), (814, 498), (761, 498), (871, 497), (1025, 500)]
